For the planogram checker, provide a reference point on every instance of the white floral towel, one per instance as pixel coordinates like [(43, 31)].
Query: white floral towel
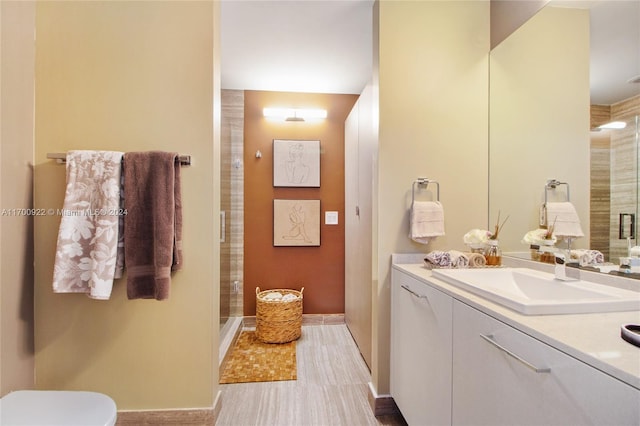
[(88, 236), (458, 259), (439, 258), (587, 257)]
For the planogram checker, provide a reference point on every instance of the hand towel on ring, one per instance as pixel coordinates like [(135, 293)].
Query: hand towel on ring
[(426, 221)]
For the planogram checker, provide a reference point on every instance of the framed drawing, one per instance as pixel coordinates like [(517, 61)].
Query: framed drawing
[(296, 163), (296, 223)]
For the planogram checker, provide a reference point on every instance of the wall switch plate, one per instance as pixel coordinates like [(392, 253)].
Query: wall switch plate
[(330, 218)]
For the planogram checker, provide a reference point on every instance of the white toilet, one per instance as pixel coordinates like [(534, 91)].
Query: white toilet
[(57, 408)]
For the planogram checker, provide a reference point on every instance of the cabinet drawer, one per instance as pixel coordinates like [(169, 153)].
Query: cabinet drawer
[(504, 376)]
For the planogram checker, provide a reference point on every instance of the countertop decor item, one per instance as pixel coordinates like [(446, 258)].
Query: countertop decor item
[(476, 240), (498, 227), (493, 254)]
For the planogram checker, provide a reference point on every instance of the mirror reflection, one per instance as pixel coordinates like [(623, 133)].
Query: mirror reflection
[(553, 82)]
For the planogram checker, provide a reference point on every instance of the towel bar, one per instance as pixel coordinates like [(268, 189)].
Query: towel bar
[(61, 158), (426, 182)]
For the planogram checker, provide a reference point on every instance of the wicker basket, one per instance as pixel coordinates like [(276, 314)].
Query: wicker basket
[(278, 321)]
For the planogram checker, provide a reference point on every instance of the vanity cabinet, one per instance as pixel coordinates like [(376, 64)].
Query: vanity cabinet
[(504, 376), (452, 364), (421, 333)]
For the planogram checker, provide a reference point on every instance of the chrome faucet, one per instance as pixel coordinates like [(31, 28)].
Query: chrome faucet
[(562, 272)]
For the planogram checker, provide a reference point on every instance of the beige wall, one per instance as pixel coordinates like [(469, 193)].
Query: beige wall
[(433, 75), (16, 159), (539, 120), (131, 76)]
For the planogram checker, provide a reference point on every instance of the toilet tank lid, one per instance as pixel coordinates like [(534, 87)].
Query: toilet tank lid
[(57, 408)]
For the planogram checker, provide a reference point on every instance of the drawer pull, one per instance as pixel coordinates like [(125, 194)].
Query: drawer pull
[(489, 338), (419, 296)]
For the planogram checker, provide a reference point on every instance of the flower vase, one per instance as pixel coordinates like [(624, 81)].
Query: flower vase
[(477, 248)]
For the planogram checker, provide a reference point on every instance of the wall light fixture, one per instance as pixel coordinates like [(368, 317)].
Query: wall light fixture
[(294, 114), (613, 125)]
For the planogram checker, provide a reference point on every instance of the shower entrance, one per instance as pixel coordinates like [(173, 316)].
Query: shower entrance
[(615, 178), (231, 216)]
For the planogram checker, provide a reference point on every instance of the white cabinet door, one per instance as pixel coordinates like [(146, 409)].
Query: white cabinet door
[(421, 331), (358, 213), (503, 376)]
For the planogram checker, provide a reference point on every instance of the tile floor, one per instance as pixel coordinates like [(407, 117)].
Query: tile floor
[(331, 389)]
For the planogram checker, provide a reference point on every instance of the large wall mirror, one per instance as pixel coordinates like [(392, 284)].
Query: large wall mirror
[(551, 83)]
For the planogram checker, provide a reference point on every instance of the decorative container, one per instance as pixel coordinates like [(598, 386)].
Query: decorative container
[(477, 248), (278, 321), (493, 254)]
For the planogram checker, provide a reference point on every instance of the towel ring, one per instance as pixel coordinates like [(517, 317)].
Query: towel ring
[(425, 182), (553, 184)]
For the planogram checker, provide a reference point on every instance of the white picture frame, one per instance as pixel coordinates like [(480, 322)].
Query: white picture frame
[(296, 163)]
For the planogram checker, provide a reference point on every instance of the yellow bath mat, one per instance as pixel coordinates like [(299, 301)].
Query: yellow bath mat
[(254, 361)]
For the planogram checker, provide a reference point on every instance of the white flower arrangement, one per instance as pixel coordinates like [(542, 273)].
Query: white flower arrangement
[(477, 238), (539, 237)]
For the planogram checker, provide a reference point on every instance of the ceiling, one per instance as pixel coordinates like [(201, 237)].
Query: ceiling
[(296, 46), (615, 47), (322, 46)]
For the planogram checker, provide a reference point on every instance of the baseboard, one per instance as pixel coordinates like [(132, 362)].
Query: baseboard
[(230, 341), (193, 417), (381, 405), (307, 319), (217, 405)]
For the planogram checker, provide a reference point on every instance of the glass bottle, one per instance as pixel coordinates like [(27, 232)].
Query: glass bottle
[(493, 254), (535, 252)]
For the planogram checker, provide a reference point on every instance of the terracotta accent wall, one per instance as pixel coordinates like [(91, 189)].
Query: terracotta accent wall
[(320, 270)]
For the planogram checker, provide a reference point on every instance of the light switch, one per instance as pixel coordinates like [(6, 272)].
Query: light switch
[(330, 218)]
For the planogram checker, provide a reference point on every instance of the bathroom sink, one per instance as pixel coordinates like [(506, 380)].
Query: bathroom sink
[(532, 292)]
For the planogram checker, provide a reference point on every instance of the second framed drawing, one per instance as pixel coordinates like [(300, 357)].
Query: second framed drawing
[(296, 222), (296, 163)]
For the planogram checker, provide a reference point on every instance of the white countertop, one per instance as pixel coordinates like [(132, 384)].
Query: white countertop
[(592, 338)]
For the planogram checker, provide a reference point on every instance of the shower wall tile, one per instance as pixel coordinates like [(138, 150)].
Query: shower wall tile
[(614, 175), (600, 199), (232, 251)]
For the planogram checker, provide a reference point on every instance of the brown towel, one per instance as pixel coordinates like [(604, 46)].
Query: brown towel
[(153, 224)]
